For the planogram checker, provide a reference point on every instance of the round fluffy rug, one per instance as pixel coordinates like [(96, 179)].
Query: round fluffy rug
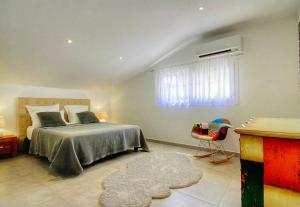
[(146, 177)]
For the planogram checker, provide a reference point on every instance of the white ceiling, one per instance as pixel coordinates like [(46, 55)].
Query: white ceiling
[(33, 33)]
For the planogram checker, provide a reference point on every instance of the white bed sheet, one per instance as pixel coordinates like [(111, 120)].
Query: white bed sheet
[(29, 132)]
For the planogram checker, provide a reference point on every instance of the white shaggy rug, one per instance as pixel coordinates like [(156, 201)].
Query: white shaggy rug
[(146, 177)]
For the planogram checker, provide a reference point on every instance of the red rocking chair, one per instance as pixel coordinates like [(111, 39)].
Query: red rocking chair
[(212, 135)]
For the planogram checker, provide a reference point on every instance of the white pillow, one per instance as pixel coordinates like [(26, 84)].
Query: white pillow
[(72, 111), (33, 110), (62, 113)]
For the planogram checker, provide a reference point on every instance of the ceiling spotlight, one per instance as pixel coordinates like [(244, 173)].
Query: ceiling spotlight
[(201, 8), (69, 41), (121, 58)]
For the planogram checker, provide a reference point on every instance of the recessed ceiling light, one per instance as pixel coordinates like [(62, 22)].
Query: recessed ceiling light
[(201, 8), (121, 58), (69, 41)]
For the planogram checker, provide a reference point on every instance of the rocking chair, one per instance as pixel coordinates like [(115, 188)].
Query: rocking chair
[(212, 135)]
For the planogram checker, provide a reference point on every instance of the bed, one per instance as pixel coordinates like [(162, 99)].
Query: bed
[(69, 148)]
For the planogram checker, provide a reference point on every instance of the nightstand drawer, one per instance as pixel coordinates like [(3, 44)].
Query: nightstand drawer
[(9, 145), (5, 148)]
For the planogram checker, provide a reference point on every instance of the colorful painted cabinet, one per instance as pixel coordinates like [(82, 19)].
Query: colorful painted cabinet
[(270, 162)]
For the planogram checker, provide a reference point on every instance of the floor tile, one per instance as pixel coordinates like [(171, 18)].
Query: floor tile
[(209, 189), (232, 197), (26, 181), (179, 199)]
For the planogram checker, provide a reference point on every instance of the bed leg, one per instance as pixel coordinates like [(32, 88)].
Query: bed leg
[(26, 145), (136, 149)]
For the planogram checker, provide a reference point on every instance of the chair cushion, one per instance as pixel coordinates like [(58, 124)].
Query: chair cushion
[(217, 130), (201, 137), (213, 129)]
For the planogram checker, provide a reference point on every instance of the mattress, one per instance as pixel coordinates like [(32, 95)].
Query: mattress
[(29, 132)]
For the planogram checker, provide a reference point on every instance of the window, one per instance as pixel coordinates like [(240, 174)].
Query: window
[(208, 82)]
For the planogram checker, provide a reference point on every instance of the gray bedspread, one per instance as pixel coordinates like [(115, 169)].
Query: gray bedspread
[(71, 147)]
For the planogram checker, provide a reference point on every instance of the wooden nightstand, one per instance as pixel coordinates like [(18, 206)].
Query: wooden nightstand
[(9, 145)]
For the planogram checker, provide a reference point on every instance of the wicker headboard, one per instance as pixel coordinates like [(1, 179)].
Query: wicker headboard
[(23, 117)]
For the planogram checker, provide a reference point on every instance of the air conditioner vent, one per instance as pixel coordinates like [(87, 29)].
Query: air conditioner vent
[(216, 53), (219, 47)]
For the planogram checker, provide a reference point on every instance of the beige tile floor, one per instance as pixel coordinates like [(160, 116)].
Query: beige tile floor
[(26, 182)]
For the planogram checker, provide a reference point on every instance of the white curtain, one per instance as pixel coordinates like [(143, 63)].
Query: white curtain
[(172, 86), (211, 81)]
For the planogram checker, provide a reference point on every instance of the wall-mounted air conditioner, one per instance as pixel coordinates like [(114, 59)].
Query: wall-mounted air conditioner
[(222, 46)]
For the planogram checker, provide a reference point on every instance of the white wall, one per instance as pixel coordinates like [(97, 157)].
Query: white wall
[(9, 94), (299, 13), (268, 81)]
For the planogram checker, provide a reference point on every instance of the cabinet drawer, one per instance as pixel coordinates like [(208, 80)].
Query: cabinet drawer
[(5, 148)]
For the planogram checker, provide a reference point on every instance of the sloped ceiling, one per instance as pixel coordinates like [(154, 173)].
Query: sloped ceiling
[(33, 34)]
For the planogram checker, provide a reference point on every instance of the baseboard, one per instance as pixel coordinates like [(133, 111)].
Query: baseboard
[(187, 146)]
